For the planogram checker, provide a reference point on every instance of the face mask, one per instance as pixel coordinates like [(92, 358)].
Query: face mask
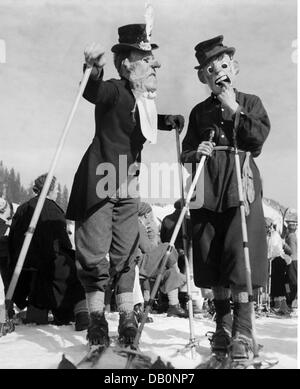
[(141, 69), (219, 72)]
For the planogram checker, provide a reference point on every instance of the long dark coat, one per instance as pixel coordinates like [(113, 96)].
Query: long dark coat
[(48, 279), (217, 237), (117, 133)]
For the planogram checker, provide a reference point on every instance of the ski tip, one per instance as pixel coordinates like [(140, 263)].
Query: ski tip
[(66, 364)]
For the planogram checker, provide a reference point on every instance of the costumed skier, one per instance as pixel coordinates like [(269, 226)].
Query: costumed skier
[(104, 207), (217, 233)]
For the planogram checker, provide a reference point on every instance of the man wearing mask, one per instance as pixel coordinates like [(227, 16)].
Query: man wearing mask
[(105, 206)]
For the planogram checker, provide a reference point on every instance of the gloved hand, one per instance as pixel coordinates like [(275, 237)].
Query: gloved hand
[(176, 121)]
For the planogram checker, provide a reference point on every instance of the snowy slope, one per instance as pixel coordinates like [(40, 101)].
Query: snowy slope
[(41, 347)]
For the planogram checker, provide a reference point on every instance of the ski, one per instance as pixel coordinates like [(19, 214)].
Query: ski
[(278, 315), (87, 362), (255, 363), (114, 356), (218, 360), (223, 361)]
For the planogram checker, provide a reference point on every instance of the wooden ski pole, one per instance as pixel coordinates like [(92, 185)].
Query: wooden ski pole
[(44, 192), (245, 237), (167, 254), (189, 278)]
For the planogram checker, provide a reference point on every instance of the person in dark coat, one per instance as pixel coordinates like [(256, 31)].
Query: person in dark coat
[(6, 214), (217, 233), (292, 273), (104, 198), (48, 280), (166, 230), (279, 256)]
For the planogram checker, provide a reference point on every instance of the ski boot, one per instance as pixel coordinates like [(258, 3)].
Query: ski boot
[(177, 311), (240, 352), (127, 329), (82, 321), (97, 332), (283, 309), (219, 343)]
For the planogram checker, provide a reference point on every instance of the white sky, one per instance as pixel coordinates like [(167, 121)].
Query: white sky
[(44, 54)]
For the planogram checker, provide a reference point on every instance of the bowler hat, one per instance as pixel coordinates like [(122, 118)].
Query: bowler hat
[(133, 36), (211, 48)]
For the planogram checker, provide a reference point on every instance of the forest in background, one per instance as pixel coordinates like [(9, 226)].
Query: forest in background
[(11, 188)]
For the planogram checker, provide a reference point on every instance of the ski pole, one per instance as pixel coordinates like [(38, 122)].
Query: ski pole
[(30, 231), (188, 274), (168, 253), (245, 236)]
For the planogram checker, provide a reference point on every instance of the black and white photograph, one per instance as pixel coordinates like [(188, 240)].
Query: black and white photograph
[(148, 186)]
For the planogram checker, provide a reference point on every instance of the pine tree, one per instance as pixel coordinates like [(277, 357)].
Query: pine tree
[(11, 187)]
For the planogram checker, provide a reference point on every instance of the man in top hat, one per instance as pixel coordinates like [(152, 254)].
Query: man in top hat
[(216, 223), (104, 198)]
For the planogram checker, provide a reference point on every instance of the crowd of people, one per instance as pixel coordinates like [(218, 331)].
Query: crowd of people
[(49, 291), (116, 238)]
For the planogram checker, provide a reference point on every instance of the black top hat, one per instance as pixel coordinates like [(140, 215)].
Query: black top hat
[(212, 48), (133, 36)]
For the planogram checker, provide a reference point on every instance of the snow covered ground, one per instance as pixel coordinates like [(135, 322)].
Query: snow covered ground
[(42, 347)]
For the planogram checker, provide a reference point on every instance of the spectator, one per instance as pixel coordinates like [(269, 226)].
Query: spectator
[(278, 255), (48, 280), (167, 227), (291, 241), (6, 214), (150, 255)]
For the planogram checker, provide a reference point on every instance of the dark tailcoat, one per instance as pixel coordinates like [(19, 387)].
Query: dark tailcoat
[(117, 133), (217, 236)]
